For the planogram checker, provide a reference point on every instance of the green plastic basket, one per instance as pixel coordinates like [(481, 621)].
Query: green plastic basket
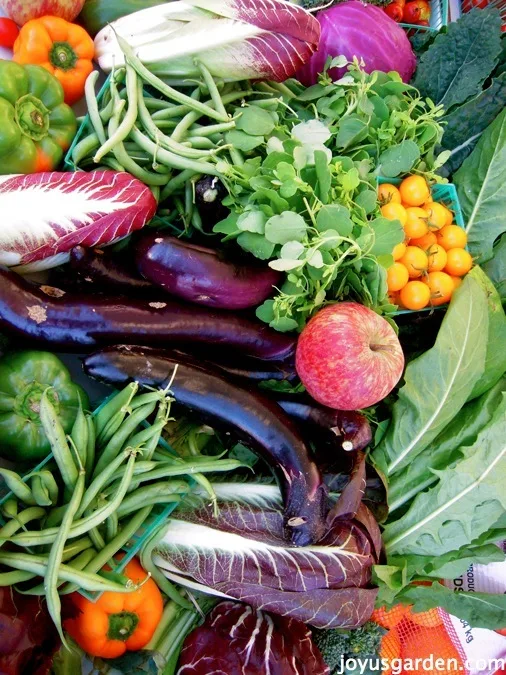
[(438, 19), (158, 515)]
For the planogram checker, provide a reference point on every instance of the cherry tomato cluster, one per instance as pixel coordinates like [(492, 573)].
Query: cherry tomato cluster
[(432, 260), (416, 12)]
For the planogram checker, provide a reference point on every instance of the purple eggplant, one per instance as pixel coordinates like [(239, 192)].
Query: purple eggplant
[(351, 428), (76, 321), (256, 420), (102, 271), (202, 275)]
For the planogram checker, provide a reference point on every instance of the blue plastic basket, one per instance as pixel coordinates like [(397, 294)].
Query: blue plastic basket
[(439, 16)]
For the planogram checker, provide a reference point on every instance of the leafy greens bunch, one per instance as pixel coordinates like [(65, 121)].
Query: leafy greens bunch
[(443, 461), (303, 194)]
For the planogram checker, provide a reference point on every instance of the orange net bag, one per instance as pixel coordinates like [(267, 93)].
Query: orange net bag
[(420, 637)]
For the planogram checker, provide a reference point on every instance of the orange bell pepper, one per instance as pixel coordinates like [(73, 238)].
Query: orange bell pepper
[(117, 622), (63, 48)]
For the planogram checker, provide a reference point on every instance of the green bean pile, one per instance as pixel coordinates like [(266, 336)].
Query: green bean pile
[(68, 520)]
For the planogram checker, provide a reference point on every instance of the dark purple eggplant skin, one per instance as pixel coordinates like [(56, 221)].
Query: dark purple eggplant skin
[(202, 275), (75, 321), (103, 271), (256, 420), (351, 428)]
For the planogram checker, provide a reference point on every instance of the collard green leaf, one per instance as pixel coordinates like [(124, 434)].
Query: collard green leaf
[(495, 358), (387, 233), (288, 226), (461, 507), (438, 383), (495, 268), (466, 123), (480, 610), (398, 159), (481, 186), (459, 61), (444, 450)]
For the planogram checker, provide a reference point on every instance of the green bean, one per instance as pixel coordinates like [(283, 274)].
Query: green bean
[(50, 483), (211, 129), (196, 222), (159, 106), (75, 548), (55, 556), (103, 556), (212, 88), (189, 199), (148, 397), (163, 88), (144, 495), (116, 404), (160, 419), (17, 486), (111, 527), (236, 157), (39, 491), (122, 131), (10, 508), (90, 447), (155, 191), (202, 142), (145, 435), (115, 445), (183, 125), (56, 437), (15, 577), (147, 177), (102, 479), (178, 182), (146, 558), (106, 112), (79, 433), (112, 427), (140, 467), (92, 105), (78, 563), (24, 517), (96, 538), (84, 525), (170, 158), (83, 579), (84, 148), (133, 506)]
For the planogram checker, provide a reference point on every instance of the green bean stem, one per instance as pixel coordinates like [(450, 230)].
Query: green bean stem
[(92, 105), (115, 404)]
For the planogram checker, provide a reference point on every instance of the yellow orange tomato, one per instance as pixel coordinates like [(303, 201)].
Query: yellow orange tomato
[(415, 295), (424, 242), (456, 281), (414, 191), (451, 236), (415, 260), (388, 193), (441, 287), (397, 277), (458, 262), (437, 215), (437, 258), (394, 211), (416, 222), (399, 250)]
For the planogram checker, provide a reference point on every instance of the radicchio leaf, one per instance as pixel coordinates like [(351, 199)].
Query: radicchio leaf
[(238, 639), (242, 554), (45, 215)]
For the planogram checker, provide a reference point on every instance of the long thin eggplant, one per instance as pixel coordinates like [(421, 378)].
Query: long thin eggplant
[(103, 271), (202, 275), (351, 428), (256, 420), (76, 321)]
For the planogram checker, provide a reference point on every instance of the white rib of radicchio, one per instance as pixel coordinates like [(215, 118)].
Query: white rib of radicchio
[(45, 215)]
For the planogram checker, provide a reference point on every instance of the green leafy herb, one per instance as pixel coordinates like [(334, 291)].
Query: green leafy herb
[(495, 268), (481, 186)]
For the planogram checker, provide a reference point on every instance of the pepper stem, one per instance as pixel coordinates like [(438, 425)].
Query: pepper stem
[(122, 625), (62, 56)]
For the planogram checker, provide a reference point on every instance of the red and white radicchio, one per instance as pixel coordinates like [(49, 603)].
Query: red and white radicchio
[(44, 215)]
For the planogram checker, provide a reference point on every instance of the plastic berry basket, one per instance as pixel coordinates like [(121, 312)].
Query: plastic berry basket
[(438, 19), (158, 515), (446, 194)]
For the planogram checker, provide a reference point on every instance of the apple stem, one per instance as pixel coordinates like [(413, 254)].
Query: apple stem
[(381, 348)]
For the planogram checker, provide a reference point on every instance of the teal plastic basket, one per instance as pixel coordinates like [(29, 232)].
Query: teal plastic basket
[(439, 14), (158, 515)]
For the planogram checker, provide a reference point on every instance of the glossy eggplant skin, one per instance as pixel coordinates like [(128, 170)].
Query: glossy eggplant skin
[(352, 430), (75, 321), (202, 275), (102, 271), (256, 420)]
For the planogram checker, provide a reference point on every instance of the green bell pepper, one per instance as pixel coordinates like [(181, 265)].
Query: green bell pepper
[(24, 376), (37, 126)]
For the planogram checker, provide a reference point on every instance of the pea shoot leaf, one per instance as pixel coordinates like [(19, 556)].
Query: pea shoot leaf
[(335, 217), (256, 244), (398, 159), (387, 233), (254, 121), (286, 227)]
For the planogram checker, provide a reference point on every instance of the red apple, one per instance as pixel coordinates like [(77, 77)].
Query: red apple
[(22, 11), (348, 357)]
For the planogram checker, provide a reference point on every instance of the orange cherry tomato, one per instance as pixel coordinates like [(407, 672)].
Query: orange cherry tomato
[(451, 236), (459, 262), (415, 295), (399, 250), (456, 281), (388, 193), (424, 242), (437, 258), (437, 215), (414, 191), (394, 211), (397, 277), (441, 287), (415, 260), (417, 222)]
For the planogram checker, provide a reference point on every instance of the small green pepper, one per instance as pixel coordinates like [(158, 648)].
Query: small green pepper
[(37, 126), (24, 376)]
